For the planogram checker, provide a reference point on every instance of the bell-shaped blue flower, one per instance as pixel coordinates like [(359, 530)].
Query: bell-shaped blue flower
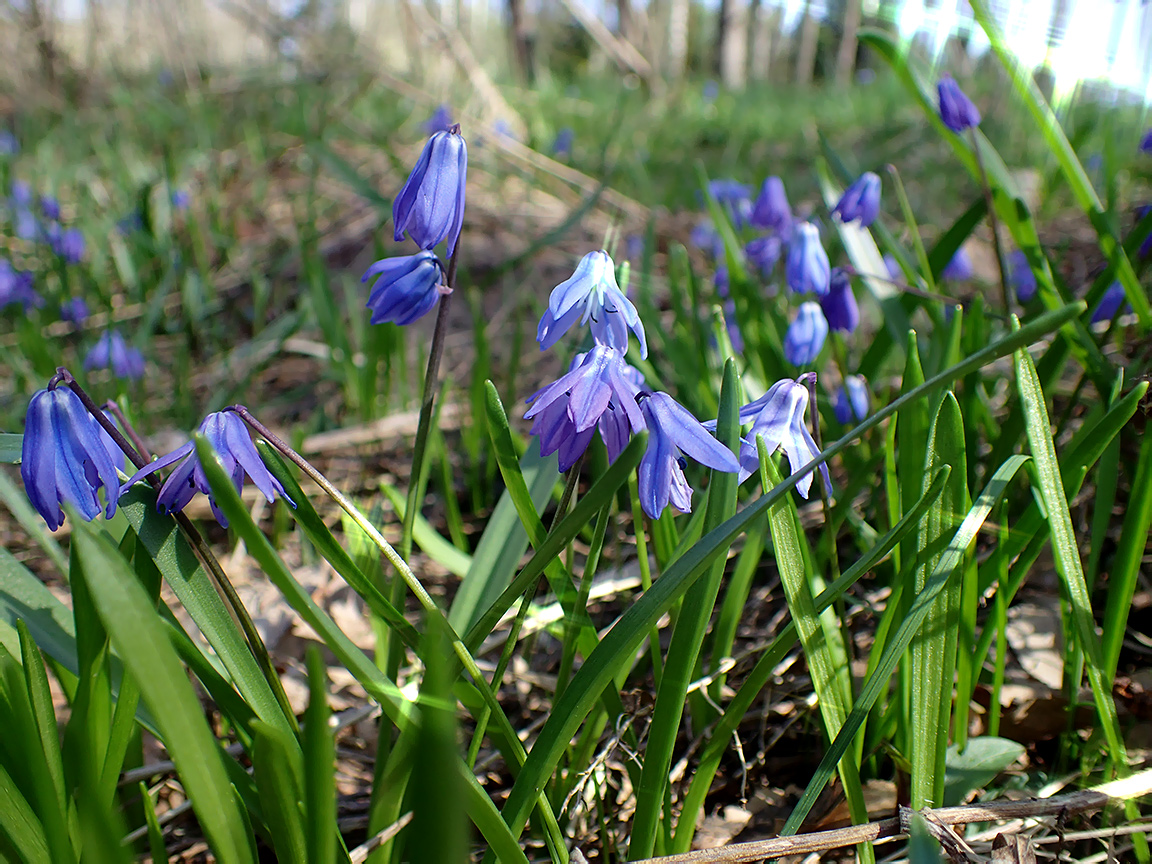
[(591, 294), (112, 352), (771, 210), (1021, 277), (16, 287), (852, 401), (430, 207), (1146, 143), (839, 304), (68, 244), (959, 269), (50, 207), (74, 311), (807, 270), (806, 335), (778, 416), (229, 437), (956, 109), (671, 430), (406, 287), (64, 458), (1109, 304), (763, 253), (861, 200)]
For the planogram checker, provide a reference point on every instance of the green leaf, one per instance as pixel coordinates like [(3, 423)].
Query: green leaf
[(982, 760), (320, 833), (279, 772), (11, 447), (142, 641), (25, 598), (19, 824), (429, 539)]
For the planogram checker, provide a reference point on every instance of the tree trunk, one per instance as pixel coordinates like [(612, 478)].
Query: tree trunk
[(809, 40), (734, 44), (846, 56), (522, 40), (677, 37)]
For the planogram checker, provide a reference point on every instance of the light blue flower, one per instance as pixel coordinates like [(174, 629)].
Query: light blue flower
[(852, 401), (959, 269), (861, 200), (591, 294), (807, 270), (806, 335), (229, 437), (430, 207), (406, 287), (671, 430)]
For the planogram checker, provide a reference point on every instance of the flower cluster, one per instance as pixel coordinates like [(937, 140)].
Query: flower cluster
[(112, 352), (430, 210)]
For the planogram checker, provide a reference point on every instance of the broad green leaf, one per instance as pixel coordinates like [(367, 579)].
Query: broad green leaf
[(11, 446), (279, 771), (429, 539), (971, 770)]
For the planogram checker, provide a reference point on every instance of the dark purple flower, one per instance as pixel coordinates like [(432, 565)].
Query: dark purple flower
[(852, 401), (1146, 143), (50, 207), (671, 430), (112, 352), (64, 458), (74, 311), (839, 304), (764, 252), (440, 121), (430, 207), (959, 269), (956, 109), (69, 245), (771, 210), (16, 287), (562, 146), (861, 200), (1109, 304), (806, 335), (229, 437), (806, 269), (591, 294), (406, 287), (1021, 277)]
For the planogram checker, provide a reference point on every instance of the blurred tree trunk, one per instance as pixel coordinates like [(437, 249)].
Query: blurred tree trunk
[(809, 41), (846, 56), (677, 37), (624, 21), (733, 43), (523, 40), (765, 25), (39, 28)]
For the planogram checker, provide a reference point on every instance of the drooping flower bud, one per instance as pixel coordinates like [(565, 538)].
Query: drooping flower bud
[(807, 270), (956, 109), (861, 200), (430, 207), (806, 335)]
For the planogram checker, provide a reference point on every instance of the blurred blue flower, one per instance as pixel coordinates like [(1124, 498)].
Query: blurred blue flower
[(705, 236), (21, 194), (959, 269), (112, 352), (893, 268), (852, 401), (9, 143), (573, 405), (1021, 277), (440, 121), (27, 225), (634, 246), (180, 199), (229, 437), (720, 281), (1109, 304), (735, 199), (68, 244), (16, 287), (839, 304), (1146, 143), (50, 207), (562, 146), (1146, 246), (861, 200), (806, 335), (131, 223), (956, 109), (406, 287), (671, 430), (591, 293), (503, 129), (806, 269), (711, 91), (778, 415), (74, 311), (63, 458), (763, 253), (430, 207), (771, 210)]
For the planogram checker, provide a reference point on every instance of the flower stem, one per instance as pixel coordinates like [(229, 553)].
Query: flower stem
[(993, 222), (200, 547)]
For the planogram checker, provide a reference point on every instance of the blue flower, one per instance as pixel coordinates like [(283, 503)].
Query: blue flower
[(68, 244), (720, 281), (735, 199), (634, 246), (562, 146), (64, 458), (180, 200), (861, 200), (112, 352), (771, 210), (711, 91), (1109, 304), (778, 415), (430, 207), (705, 236), (764, 252), (959, 268), (956, 109), (21, 194), (671, 430), (852, 401), (407, 287), (16, 287), (74, 311), (893, 268), (440, 121), (9, 143), (574, 404), (1146, 143), (839, 304), (806, 335), (229, 437), (1021, 277), (591, 293), (50, 207), (806, 269)]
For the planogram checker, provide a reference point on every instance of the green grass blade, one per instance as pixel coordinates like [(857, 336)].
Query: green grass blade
[(428, 538), (141, 640), (40, 701), (321, 836), (279, 772), (19, 825), (156, 843)]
